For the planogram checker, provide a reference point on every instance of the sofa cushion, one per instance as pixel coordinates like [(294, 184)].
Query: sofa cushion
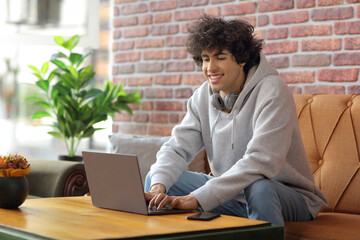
[(325, 226), (146, 148)]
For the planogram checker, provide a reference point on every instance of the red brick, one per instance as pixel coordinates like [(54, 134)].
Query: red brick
[(164, 29), (221, 1), (115, 128), (275, 5), (355, 89), (126, 69), (183, 92), (125, 21), (239, 9), (213, 11), (192, 3), (182, 66), (279, 62), (341, 59), (347, 27), (178, 41), (159, 118), (169, 106), (149, 67), (167, 79), (352, 43), (147, 106), (321, 44), (146, 19), (277, 33), (141, 117), (179, 53), (160, 130), (326, 14), (249, 19), (163, 5), (194, 79), (134, 8), (263, 20), (353, 1), (298, 77), (117, 34), (329, 2), (305, 3), (149, 43), (295, 89), (162, 17), (134, 129), (338, 75), (310, 30), (185, 26), (127, 57), (125, 45), (133, 106), (322, 89), (158, 93), (174, 118), (116, 11), (189, 14), (140, 81), (121, 81), (259, 34), (313, 60), (135, 32), (124, 1), (358, 11), (156, 54), (115, 70), (123, 117), (280, 47), (289, 17)]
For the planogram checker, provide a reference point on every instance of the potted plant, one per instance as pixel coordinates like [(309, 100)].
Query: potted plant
[(14, 187), (69, 98)]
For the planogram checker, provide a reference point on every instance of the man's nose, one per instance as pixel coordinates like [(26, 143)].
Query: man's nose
[(211, 66)]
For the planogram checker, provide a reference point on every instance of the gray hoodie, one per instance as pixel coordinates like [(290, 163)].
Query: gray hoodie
[(259, 138)]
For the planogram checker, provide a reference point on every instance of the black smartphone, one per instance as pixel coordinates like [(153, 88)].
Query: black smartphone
[(205, 216)]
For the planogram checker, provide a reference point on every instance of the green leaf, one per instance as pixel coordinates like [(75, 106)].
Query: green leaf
[(44, 68), (34, 69), (41, 114), (59, 40), (83, 58), (43, 104), (88, 132), (33, 99), (75, 58), (73, 72), (56, 134), (52, 75), (43, 84), (60, 64)]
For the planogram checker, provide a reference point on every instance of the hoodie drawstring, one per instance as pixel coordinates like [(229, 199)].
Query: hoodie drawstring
[(213, 126)]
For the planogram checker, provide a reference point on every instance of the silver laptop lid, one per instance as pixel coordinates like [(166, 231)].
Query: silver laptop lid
[(115, 181)]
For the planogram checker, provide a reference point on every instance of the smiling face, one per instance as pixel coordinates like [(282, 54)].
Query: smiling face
[(222, 72)]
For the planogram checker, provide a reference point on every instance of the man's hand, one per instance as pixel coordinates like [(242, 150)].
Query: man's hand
[(157, 197)]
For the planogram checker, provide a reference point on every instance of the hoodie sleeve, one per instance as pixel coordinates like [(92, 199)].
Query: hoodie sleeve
[(265, 156), (176, 154)]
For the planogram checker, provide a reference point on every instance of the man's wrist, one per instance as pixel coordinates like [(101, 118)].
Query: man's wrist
[(158, 188)]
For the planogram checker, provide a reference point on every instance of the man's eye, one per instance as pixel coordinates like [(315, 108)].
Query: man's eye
[(205, 59), (221, 58)]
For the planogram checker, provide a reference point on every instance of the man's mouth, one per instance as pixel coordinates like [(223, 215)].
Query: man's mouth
[(215, 78)]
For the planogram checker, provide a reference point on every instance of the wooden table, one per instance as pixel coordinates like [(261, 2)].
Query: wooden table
[(77, 218)]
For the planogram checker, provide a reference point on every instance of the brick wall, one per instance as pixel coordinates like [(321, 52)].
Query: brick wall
[(314, 44)]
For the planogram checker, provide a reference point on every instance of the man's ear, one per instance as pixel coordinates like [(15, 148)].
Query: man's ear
[(242, 64)]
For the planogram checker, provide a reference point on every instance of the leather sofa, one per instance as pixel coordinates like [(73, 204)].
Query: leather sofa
[(56, 178), (330, 128)]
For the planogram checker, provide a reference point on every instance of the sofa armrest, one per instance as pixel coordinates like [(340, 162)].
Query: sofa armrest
[(56, 178)]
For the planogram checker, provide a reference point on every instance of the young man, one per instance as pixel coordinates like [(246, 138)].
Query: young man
[(245, 118)]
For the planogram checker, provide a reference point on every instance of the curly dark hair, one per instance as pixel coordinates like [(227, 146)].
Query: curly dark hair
[(236, 36)]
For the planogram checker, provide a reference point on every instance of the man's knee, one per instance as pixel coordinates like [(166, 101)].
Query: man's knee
[(260, 189)]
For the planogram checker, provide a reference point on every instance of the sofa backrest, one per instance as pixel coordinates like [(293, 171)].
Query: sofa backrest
[(330, 128)]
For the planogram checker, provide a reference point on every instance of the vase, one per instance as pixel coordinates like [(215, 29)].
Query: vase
[(74, 158), (13, 191)]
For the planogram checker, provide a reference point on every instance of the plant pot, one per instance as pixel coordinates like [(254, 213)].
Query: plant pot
[(74, 158), (13, 191)]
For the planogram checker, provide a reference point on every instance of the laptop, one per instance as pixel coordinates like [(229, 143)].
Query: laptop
[(115, 183)]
